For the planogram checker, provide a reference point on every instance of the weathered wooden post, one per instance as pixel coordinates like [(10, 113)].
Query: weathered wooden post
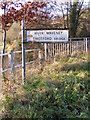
[(49, 53), (45, 47), (53, 51), (65, 48), (62, 47), (82, 45), (86, 44), (12, 65), (77, 47), (59, 49), (70, 47), (41, 59), (23, 52)]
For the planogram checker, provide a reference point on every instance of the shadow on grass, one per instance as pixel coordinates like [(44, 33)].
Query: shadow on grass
[(50, 100), (47, 99), (76, 67)]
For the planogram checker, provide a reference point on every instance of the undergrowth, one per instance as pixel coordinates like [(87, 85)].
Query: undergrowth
[(60, 91)]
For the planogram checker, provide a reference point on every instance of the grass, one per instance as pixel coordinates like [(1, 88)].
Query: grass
[(60, 91)]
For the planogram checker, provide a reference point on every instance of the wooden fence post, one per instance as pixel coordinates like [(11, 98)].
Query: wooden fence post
[(86, 44), (65, 48), (49, 52), (77, 46), (12, 65), (41, 59), (62, 48), (53, 51), (70, 47), (59, 49), (82, 46), (45, 47)]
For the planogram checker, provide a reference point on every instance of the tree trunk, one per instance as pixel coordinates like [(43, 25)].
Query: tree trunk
[(4, 41), (67, 16), (4, 44)]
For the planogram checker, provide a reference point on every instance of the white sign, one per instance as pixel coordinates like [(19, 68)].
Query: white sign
[(47, 35)]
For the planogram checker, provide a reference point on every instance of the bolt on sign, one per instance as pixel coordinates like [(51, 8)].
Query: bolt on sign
[(47, 35)]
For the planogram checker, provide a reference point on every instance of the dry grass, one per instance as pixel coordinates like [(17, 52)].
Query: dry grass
[(62, 86)]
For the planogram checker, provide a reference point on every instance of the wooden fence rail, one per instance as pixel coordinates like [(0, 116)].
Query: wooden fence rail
[(51, 50), (10, 56)]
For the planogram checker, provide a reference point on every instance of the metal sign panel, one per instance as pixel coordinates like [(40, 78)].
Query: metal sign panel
[(47, 35)]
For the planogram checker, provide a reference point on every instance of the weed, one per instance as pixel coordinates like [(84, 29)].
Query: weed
[(59, 92)]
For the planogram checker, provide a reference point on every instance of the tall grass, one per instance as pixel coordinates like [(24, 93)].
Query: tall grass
[(60, 91)]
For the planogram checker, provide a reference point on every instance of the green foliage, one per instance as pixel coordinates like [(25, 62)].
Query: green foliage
[(56, 93)]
